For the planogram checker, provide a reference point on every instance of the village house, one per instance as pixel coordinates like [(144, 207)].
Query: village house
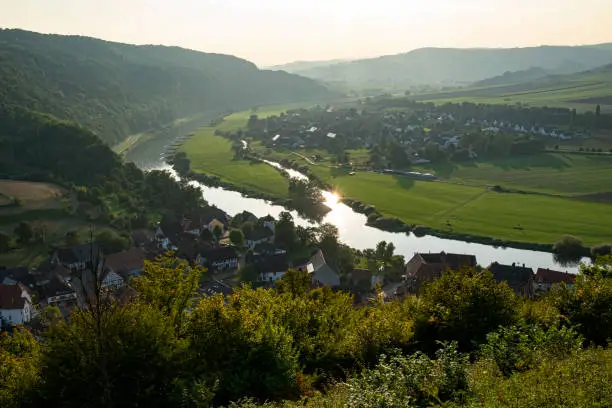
[(270, 268), (322, 274), (261, 234), (545, 279), (219, 259), (79, 257), (363, 279), (167, 234), (57, 291), (519, 278), (126, 264), (427, 267), (15, 305)]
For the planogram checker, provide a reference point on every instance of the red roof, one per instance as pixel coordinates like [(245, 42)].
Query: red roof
[(10, 297), (550, 276)]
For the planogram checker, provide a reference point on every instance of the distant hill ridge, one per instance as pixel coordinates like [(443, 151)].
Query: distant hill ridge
[(118, 89), (459, 66)]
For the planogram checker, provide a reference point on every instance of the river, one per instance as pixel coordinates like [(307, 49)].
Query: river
[(351, 225)]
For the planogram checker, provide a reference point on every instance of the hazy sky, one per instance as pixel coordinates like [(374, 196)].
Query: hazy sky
[(277, 31)]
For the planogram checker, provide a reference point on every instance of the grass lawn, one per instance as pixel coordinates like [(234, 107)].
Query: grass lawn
[(556, 173), (212, 155), (475, 210)]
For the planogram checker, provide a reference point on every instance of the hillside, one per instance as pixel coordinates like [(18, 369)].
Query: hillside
[(119, 89), (454, 66), (509, 77), (582, 91)]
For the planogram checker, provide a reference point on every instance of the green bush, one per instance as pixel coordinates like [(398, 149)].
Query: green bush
[(519, 348), (413, 381), (582, 380), (464, 306)]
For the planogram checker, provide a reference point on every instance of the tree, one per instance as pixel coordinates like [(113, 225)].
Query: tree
[(248, 274), (111, 241), (586, 304), (206, 235), (329, 241), (134, 358), (284, 231), (19, 368), (5, 242), (71, 238), (601, 250), (464, 306), (168, 285), (297, 283), (569, 247), (24, 232), (236, 238), (217, 232), (598, 110), (247, 229)]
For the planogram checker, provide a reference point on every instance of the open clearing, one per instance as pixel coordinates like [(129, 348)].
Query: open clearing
[(475, 210), (31, 194)]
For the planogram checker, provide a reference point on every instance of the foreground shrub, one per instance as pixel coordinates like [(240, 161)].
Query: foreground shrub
[(19, 367), (582, 380), (588, 303), (464, 306), (413, 381), (519, 348)]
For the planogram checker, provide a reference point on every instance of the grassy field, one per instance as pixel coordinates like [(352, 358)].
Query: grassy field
[(475, 210), (555, 173), (212, 155), (581, 91)]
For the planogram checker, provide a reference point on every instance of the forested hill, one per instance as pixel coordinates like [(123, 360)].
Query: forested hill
[(452, 66), (119, 89)]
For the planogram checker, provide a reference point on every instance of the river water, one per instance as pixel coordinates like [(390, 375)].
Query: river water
[(352, 226)]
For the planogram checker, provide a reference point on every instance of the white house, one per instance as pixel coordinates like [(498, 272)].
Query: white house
[(15, 304), (220, 259)]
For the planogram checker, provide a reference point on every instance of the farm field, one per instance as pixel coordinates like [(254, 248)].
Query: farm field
[(554, 173), (43, 206), (581, 91), (475, 210)]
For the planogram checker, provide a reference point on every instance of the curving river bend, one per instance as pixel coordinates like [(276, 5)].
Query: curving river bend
[(351, 225)]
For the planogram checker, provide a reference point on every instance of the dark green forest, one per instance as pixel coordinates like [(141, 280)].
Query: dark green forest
[(118, 89), (38, 147)]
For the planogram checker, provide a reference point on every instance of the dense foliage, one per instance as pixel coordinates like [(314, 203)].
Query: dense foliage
[(119, 89), (167, 348), (40, 148)]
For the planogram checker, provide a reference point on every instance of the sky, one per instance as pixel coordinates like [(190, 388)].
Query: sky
[(270, 32)]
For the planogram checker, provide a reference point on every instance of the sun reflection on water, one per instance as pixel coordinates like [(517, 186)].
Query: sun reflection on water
[(331, 199)]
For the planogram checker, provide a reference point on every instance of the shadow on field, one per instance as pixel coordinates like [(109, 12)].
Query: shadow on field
[(404, 182), (527, 162), (339, 171), (446, 169)]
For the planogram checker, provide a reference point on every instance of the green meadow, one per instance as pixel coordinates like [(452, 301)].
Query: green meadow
[(475, 210), (554, 173)]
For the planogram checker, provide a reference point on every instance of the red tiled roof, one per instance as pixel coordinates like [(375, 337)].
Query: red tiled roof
[(550, 276), (10, 297)]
